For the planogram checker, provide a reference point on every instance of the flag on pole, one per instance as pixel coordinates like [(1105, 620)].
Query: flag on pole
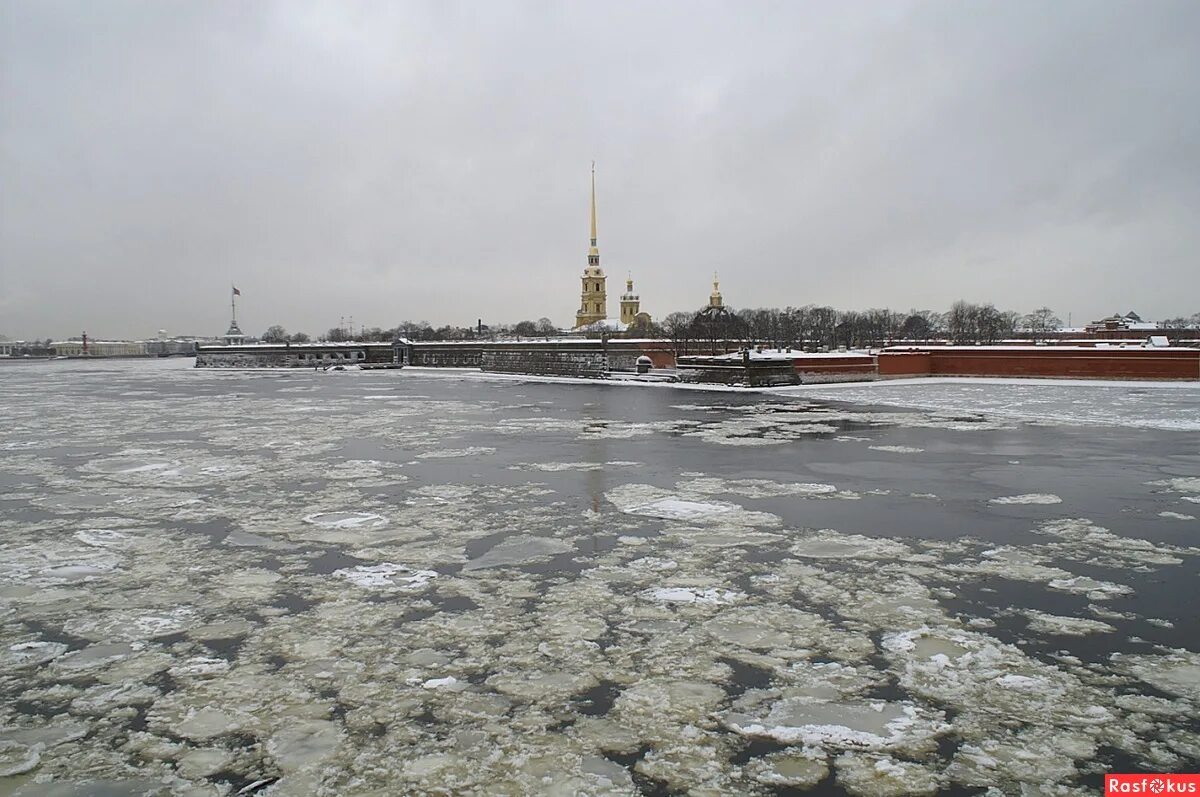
[(236, 292)]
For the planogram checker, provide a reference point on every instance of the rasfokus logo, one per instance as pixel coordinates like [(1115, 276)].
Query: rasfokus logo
[(1151, 784)]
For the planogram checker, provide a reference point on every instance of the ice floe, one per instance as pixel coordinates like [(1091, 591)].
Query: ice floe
[(1179, 484), (703, 596), (1092, 588), (517, 551), (754, 488), (841, 724), (387, 576), (830, 544), (649, 501), (1027, 498), (1176, 671), (1056, 624), (457, 453)]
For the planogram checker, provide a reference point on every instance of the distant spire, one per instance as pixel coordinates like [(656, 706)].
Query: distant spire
[(594, 250)]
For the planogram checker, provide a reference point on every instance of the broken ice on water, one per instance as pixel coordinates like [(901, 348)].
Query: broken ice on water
[(474, 586)]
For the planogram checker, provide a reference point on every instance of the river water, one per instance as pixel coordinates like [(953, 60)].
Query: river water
[(415, 582)]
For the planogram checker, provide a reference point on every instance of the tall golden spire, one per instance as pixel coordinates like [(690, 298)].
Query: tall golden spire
[(593, 299), (593, 250)]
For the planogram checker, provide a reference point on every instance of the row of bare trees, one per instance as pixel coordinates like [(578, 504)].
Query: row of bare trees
[(418, 330), (810, 327), (815, 327)]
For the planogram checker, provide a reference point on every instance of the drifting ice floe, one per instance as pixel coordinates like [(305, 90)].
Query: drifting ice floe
[(1179, 484), (1176, 672), (703, 596), (754, 488), (678, 509), (131, 625), (829, 544), (455, 453), (1028, 498), (346, 520), (842, 724), (648, 501), (387, 576), (558, 467), (1044, 623), (1093, 589), (520, 551), (30, 654)]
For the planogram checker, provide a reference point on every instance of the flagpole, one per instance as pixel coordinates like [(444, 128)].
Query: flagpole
[(233, 302)]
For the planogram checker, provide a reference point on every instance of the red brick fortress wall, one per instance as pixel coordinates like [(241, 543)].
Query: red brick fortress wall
[(905, 363), (834, 369), (1082, 363)]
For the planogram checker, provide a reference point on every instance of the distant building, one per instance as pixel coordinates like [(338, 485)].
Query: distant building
[(86, 347), (1130, 321), (25, 348)]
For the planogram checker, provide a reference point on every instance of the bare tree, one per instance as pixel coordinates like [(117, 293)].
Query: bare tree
[(916, 327), (678, 327), (1040, 322)]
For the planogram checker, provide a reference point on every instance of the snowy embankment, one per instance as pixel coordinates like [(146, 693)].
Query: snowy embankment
[(1172, 406)]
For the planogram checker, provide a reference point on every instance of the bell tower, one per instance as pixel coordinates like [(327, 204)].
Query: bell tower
[(593, 303), (630, 303)]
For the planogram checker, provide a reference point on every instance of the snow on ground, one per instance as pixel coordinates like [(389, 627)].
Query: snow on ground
[(1146, 405)]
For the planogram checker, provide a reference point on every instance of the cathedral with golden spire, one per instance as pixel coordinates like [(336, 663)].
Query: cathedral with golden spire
[(593, 303)]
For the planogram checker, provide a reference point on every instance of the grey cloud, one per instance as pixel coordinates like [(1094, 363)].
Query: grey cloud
[(396, 161)]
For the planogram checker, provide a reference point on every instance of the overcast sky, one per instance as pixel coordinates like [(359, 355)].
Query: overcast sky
[(393, 161)]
